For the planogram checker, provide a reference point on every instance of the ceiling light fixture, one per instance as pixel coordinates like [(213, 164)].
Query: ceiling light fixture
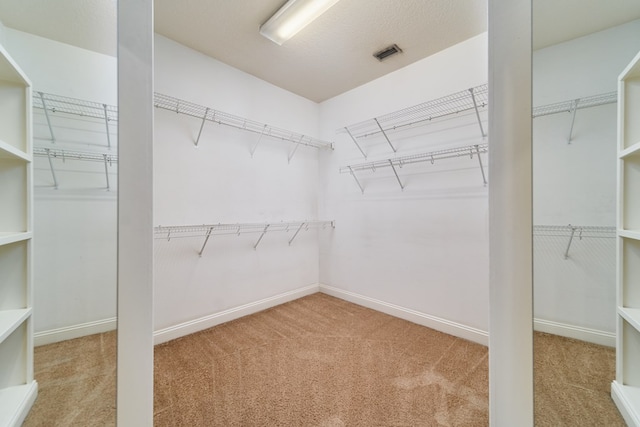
[(293, 17)]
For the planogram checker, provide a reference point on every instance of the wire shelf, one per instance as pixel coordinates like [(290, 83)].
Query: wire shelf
[(74, 155), (455, 103), (432, 156), (579, 230), (201, 112), (79, 107), (576, 104)]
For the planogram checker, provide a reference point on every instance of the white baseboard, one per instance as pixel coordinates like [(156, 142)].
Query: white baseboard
[(576, 332), (433, 322), (196, 325), (627, 400), (76, 331)]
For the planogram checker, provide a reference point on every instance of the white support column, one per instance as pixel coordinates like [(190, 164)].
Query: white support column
[(510, 215), (135, 214)]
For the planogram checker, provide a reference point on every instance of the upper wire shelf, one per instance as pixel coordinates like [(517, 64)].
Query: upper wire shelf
[(208, 230), (180, 106), (576, 104), (79, 107)]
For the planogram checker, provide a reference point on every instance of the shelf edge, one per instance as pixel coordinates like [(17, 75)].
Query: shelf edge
[(8, 238), (13, 152), (15, 318), (630, 151), (629, 234)]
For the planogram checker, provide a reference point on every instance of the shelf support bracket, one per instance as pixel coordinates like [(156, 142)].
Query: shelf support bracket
[(484, 178), (253, 150), (204, 119), (206, 239), (261, 236), (294, 149), (573, 119), (106, 122), (573, 231), (355, 141), (353, 174), (475, 106), (296, 233), (396, 174), (106, 171), (53, 171), (385, 135), (46, 115)]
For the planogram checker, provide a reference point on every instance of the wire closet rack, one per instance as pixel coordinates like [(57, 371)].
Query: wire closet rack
[(51, 103), (64, 155), (472, 99), (572, 231), (431, 157), (208, 230), (572, 106), (205, 114)]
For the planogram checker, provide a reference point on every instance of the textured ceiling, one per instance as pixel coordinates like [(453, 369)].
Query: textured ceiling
[(333, 54)]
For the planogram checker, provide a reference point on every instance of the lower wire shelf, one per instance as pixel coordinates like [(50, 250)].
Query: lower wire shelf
[(208, 230)]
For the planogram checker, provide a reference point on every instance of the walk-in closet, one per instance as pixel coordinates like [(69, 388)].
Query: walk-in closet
[(408, 213)]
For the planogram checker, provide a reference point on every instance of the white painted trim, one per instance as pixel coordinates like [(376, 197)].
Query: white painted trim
[(576, 332), (196, 325), (433, 322), (621, 397), (75, 331)]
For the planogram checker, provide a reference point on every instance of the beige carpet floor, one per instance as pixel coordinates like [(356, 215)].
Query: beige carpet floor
[(319, 361)]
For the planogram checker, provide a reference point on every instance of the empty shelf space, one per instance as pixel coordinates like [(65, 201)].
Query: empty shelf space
[(629, 234), (7, 238), (10, 320), (631, 315), (631, 151), (8, 150), (15, 401)]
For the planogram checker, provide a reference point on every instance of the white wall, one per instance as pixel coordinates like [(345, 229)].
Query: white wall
[(74, 226), (219, 182), (575, 183), (424, 248)]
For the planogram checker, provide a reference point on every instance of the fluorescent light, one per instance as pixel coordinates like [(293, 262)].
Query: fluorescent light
[(293, 17)]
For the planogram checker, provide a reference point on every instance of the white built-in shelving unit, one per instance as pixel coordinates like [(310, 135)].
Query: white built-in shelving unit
[(625, 389), (470, 101), (18, 389)]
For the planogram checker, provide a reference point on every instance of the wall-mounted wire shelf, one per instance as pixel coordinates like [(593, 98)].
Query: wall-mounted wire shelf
[(64, 155), (472, 99), (398, 162), (572, 106), (51, 103), (205, 114), (571, 231), (208, 230)]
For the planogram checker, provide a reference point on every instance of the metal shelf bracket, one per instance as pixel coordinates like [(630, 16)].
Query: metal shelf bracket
[(484, 178), (106, 170), (573, 119), (396, 174), (46, 115), (53, 171), (295, 148), (253, 150), (475, 106), (204, 119), (385, 135), (355, 141), (206, 239), (106, 123), (353, 174), (296, 233), (264, 231)]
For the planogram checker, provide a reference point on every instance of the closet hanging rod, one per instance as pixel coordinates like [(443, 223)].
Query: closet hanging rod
[(203, 113), (78, 107), (432, 156), (575, 104), (472, 99)]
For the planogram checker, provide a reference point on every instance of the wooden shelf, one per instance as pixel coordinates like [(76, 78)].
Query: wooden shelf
[(629, 234), (631, 151), (9, 151), (15, 403), (628, 399), (8, 238), (10, 320), (631, 315)]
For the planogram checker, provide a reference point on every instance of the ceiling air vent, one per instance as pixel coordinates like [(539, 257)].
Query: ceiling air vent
[(387, 52)]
